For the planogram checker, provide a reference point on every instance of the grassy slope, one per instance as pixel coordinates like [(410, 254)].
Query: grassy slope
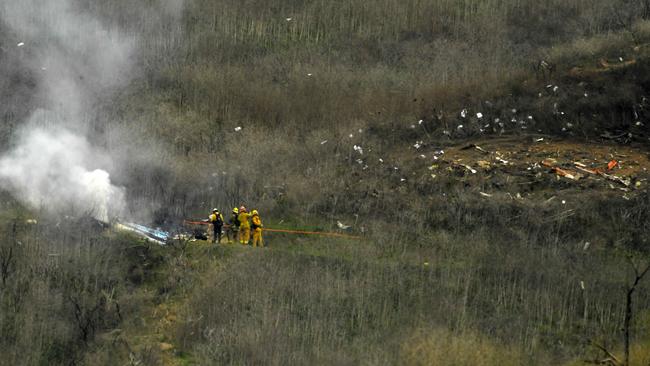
[(491, 284), (501, 285)]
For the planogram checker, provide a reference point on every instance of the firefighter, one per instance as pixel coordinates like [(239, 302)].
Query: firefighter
[(244, 226), (216, 219), (233, 225), (256, 226)]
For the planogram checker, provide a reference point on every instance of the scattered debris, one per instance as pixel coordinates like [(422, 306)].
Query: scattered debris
[(237, 129), (473, 171), (613, 178), (612, 164), (566, 174), (528, 162)]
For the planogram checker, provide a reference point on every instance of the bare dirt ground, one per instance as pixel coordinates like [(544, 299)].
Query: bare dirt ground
[(541, 164)]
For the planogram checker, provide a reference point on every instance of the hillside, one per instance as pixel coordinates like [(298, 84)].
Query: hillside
[(492, 156)]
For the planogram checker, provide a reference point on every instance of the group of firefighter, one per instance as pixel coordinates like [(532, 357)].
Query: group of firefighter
[(240, 225)]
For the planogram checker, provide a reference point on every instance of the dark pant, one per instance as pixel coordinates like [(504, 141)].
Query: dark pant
[(216, 237)]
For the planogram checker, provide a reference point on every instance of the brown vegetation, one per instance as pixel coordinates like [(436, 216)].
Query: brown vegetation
[(444, 275)]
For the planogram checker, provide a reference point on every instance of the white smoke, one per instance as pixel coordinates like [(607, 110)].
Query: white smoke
[(78, 60), (52, 169)]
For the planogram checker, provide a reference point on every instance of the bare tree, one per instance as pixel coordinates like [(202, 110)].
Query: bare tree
[(7, 256), (639, 272)]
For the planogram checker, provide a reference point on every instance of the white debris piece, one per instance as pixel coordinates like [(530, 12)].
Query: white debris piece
[(473, 171), (513, 110), (420, 122), (485, 194), (403, 180), (555, 89), (360, 131), (460, 126), (639, 123), (342, 226), (620, 59), (351, 136), (381, 160), (358, 149), (418, 145), (586, 246), (463, 113), (563, 202), (20, 44), (423, 156), (309, 74), (288, 19), (237, 129), (539, 139), (582, 285), (479, 115), (323, 142)]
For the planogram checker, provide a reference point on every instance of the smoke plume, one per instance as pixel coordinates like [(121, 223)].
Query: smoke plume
[(49, 169), (77, 60)]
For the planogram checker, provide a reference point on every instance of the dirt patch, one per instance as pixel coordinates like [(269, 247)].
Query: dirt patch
[(544, 163)]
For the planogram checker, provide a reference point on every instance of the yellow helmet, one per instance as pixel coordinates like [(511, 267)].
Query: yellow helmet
[(254, 212), (235, 210)]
